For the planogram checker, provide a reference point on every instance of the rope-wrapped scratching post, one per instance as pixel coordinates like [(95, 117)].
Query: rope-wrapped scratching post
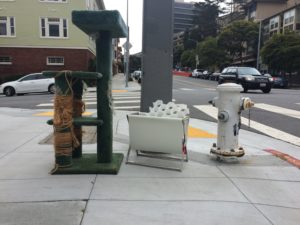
[(64, 138)]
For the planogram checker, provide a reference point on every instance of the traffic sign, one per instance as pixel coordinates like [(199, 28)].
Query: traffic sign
[(125, 45)]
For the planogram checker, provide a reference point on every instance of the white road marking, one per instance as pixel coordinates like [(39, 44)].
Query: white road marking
[(126, 107), (130, 101), (186, 89), (211, 89), (277, 109), (137, 97), (275, 133), (51, 104)]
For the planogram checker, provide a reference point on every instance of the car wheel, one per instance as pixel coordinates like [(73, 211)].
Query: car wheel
[(245, 90), (266, 90), (51, 89), (9, 91)]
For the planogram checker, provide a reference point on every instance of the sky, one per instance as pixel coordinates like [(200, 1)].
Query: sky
[(135, 19)]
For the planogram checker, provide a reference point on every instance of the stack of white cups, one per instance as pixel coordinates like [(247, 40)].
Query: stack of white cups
[(170, 109)]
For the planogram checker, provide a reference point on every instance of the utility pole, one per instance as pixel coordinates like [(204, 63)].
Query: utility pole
[(258, 45)]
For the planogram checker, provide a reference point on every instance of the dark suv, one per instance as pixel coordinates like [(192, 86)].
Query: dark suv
[(248, 77)]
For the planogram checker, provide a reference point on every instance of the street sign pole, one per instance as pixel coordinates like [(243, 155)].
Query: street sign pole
[(127, 52)]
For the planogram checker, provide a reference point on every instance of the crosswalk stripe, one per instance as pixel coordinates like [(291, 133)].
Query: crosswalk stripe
[(137, 97), (277, 109), (186, 89), (129, 101), (126, 107), (278, 134)]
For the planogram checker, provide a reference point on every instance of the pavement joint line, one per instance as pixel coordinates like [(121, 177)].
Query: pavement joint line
[(16, 149), (89, 198), (245, 196), (46, 201)]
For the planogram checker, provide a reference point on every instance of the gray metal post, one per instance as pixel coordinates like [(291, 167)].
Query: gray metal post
[(157, 60), (258, 45)]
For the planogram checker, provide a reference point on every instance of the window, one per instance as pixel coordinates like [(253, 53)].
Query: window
[(55, 1), (274, 23), (7, 26), (54, 27), (274, 26), (5, 60), (288, 20), (289, 17), (55, 60)]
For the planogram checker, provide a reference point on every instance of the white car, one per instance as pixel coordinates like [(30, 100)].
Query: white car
[(34, 82), (197, 73)]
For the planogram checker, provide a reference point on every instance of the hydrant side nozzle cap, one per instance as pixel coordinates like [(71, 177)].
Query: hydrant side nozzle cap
[(230, 87)]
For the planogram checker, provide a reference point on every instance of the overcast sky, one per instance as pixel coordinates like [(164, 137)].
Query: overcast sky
[(135, 19)]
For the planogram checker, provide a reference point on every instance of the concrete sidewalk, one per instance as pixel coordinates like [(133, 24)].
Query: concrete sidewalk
[(256, 189)]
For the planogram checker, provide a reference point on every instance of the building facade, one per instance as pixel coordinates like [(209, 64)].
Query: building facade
[(184, 13), (37, 35), (275, 16)]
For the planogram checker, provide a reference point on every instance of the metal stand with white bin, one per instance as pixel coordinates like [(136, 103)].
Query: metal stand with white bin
[(229, 104)]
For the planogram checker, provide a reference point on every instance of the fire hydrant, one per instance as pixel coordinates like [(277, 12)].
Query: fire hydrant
[(229, 104)]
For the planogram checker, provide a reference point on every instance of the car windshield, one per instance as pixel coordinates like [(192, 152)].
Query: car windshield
[(248, 71)]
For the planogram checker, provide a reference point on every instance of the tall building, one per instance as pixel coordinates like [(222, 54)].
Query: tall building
[(37, 35), (184, 13)]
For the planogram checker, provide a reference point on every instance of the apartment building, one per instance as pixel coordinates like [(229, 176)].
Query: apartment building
[(37, 35), (275, 16)]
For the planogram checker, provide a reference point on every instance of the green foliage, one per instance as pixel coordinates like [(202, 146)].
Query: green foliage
[(211, 56), (177, 52), (206, 19), (205, 23), (238, 36), (282, 52), (135, 63), (188, 58)]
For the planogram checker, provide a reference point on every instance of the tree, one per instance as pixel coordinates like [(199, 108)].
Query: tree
[(282, 52), (206, 19), (211, 56), (188, 58), (135, 62), (177, 52), (205, 23), (239, 36)]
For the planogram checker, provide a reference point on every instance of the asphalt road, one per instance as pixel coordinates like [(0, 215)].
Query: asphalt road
[(279, 109), (276, 114)]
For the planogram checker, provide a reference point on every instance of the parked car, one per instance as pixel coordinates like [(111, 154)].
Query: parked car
[(34, 82), (137, 75), (197, 73), (205, 74), (280, 81), (215, 76), (248, 77)]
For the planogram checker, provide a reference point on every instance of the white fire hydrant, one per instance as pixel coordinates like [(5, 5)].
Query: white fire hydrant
[(229, 104)]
